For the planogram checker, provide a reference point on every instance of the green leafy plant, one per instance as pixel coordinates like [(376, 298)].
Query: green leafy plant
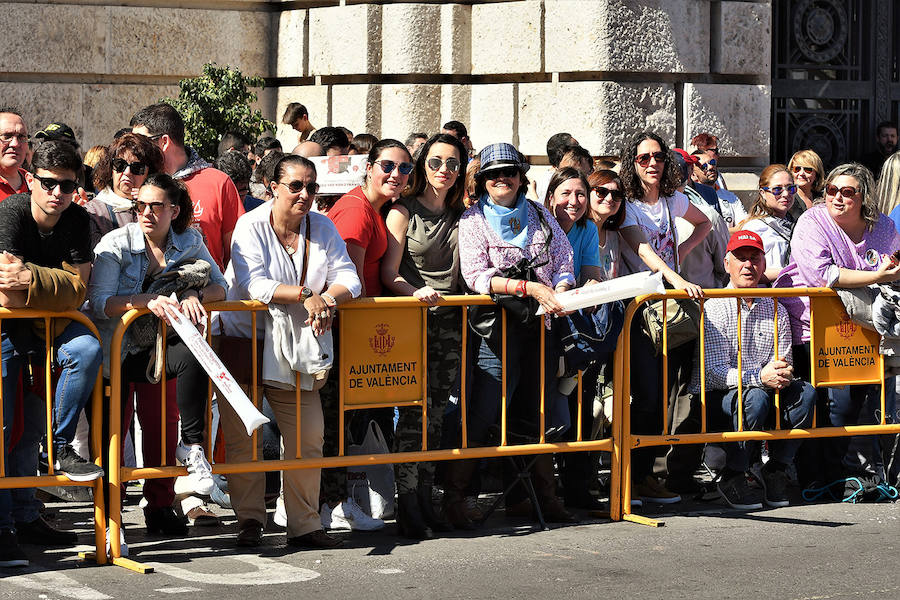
[(218, 102)]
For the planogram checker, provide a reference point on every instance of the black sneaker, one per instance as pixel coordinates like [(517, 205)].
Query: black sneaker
[(74, 467), (737, 493), (41, 533), (11, 554), (775, 488)]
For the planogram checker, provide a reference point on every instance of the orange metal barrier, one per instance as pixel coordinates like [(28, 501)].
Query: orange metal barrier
[(625, 441), (53, 479), (349, 311)]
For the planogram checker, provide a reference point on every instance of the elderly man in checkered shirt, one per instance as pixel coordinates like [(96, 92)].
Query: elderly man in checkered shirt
[(761, 375)]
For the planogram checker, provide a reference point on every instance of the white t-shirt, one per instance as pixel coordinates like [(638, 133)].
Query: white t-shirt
[(654, 222), (775, 245)]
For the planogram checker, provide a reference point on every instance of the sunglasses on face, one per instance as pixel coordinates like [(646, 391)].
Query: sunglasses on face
[(779, 189), (807, 170), (644, 159), (434, 163), (713, 150), (709, 164), (388, 166), (846, 192), (155, 207), (120, 164), (295, 187), (608, 194), (66, 186), (508, 172)]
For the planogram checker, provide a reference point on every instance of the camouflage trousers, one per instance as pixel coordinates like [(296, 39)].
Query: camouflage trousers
[(444, 351)]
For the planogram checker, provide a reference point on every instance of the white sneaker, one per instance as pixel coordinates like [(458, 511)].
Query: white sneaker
[(122, 545), (324, 516), (198, 466), (348, 515), (280, 517)]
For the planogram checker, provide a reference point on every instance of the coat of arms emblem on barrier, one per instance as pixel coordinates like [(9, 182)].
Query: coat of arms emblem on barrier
[(382, 341)]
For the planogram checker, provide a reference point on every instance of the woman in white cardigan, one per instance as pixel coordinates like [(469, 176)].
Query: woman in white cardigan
[(295, 261)]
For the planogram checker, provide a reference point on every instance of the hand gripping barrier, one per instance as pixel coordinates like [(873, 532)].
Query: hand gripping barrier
[(369, 312), (829, 312), (96, 442)]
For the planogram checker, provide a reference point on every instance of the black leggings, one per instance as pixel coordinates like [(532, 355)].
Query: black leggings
[(191, 384)]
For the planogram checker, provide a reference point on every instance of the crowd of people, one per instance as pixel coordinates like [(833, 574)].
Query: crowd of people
[(145, 222)]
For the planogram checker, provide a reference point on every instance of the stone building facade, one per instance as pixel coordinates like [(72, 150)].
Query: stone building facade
[(516, 70)]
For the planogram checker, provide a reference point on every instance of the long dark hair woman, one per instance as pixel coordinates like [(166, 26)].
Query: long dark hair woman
[(422, 260)]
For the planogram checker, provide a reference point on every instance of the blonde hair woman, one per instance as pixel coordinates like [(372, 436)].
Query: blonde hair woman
[(809, 174), (770, 218), (887, 192)]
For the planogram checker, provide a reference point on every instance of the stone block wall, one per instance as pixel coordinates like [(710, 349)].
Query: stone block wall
[(517, 70)]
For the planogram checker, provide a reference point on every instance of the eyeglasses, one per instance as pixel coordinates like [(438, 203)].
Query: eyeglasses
[(779, 189), (711, 163), (807, 170), (715, 150), (66, 186), (613, 195), (295, 187), (846, 192), (434, 163), (644, 159), (388, 166), (507, 172), (155, 207), (155, 137), (6, 138), (120, 164)]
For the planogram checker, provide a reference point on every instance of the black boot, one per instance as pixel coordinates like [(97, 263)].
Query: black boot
[(426, 507), (456, 479), (409, 518)]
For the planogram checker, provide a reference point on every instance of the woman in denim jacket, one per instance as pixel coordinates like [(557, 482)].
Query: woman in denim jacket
[(127, 260)]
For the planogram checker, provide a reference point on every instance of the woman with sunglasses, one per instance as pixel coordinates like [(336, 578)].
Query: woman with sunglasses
[(651, 179), (607, 211), (844, 242), (809, 176), (294, 260), (422, 261), (118, 176), (128, 261), (770, 217), (498, 233)]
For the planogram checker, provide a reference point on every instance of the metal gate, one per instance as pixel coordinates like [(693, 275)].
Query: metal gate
[(834, 75)]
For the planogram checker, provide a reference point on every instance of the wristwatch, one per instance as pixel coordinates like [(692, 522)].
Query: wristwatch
[(521, 288), (305, 293)]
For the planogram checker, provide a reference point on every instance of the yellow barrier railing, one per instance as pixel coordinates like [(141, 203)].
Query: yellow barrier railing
[(120, 473), (96, 441), (626, 441)]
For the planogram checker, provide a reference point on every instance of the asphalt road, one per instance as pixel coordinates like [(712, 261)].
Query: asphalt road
[(825, 551)]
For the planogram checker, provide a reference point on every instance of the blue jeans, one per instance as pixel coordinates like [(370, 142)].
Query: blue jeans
[(798, 402), (79, 355)]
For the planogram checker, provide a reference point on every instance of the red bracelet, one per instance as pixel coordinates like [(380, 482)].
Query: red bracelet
[(522, 288), (506, 286)]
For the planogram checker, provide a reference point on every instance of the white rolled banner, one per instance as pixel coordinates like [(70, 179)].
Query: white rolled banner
[(210, 362), (619, 288)]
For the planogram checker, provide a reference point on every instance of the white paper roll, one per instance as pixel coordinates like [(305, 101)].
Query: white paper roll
[(618, 288)]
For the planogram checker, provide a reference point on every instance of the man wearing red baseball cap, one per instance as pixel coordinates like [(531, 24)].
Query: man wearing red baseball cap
[(760, 374)]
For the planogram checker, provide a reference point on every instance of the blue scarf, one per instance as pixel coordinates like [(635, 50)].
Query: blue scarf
[(510, 223)]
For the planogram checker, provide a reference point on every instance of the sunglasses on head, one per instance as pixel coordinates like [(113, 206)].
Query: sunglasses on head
[(778, 189), (388, 166), (846, 192), (434, 163), (614, 195), (66, 186), (296, 187), (120, 164), (807, 170), (644, 159), (508, 172)]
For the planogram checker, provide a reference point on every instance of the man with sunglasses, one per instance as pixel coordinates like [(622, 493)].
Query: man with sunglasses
[(217, 204), (13, 150), (45, 264), (706, 172)]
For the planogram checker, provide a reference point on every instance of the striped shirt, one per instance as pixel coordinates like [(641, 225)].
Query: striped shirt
[(757, 342)]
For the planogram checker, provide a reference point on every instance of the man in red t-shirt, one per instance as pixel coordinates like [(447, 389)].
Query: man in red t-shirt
[(217, 204), (13, 149)]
